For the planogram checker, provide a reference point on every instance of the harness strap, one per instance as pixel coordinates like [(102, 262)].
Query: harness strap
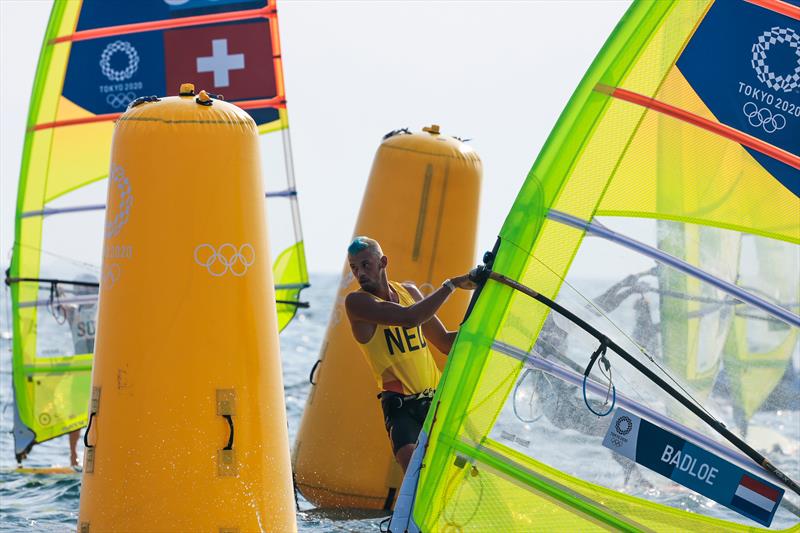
[(403, 398), (427, 393)]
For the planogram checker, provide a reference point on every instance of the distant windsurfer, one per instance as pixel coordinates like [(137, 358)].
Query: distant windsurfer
[(81, 316), (392, 323), (560, 401)]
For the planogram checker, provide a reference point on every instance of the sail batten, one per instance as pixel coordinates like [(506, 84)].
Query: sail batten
[(62, 210), (721, 129), (778, 6), (127, 29), (268, 103), (738, 292)]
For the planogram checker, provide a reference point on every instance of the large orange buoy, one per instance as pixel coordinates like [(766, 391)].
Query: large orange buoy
[(187, 421), (421, 204)]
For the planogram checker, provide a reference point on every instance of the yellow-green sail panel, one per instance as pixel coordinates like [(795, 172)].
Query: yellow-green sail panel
[(291, 277), (51, 384), (759, 349), (657, 132)]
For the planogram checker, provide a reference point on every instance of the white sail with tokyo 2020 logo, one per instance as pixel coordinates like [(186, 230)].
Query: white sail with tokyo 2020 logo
[(97, 58)]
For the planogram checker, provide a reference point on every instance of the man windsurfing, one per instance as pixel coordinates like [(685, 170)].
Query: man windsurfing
[(81, 317), (392, 323)]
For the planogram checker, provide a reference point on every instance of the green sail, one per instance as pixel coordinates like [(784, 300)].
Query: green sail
[(509, 444)]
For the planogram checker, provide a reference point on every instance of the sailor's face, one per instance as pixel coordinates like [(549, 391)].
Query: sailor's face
[(366, 267)]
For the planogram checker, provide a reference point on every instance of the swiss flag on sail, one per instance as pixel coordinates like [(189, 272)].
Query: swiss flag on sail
[(232, 59)]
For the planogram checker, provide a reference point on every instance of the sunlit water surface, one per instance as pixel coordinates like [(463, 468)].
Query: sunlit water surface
[(50, 503)]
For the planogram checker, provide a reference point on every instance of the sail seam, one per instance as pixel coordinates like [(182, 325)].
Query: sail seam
[(275, 103)]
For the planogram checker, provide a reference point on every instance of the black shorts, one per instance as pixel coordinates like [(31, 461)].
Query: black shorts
[(403, 417)]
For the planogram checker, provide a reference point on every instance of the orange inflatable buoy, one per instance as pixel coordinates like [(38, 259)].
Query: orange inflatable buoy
[(187, 427)]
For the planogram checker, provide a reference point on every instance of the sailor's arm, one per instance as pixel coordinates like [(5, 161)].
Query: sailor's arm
[(433, 329), (362, 307), (67, 310)]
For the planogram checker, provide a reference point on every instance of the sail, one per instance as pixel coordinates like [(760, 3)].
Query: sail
[(696, 317), (97, 58), (759, 349), (655, 219)]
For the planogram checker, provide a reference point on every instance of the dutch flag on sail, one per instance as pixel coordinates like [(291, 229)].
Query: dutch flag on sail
[(756, 499)]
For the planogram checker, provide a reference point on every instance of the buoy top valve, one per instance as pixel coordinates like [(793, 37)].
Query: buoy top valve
[(432, 129), (187, 89), (203, 99)]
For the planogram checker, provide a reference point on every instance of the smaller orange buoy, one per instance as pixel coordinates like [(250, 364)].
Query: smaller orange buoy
[(421, 204)]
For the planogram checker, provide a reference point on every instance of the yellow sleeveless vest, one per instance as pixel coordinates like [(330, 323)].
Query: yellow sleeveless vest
[(403, 351)]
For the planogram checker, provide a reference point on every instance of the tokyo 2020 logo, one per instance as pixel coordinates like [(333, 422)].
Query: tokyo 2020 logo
[(775, 37), (624, 425), (120, 197), (132, 65)]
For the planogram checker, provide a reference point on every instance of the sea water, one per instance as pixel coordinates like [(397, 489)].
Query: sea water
[(50, 503)]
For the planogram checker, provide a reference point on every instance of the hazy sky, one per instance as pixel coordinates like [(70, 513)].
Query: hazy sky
[(496, 72)]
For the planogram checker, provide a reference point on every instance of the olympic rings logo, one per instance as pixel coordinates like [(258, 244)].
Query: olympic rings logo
[(120, 99), (763, 118), (119, 182), (228, 258), (105, 61)]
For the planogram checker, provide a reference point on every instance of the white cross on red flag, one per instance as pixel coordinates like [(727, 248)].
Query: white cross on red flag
[(232, 59)]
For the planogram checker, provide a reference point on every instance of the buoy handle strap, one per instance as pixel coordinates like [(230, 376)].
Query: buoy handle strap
[(144, 99), (94, 408), (398, 131), (229, 418), (86, 433), (313, 370)]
